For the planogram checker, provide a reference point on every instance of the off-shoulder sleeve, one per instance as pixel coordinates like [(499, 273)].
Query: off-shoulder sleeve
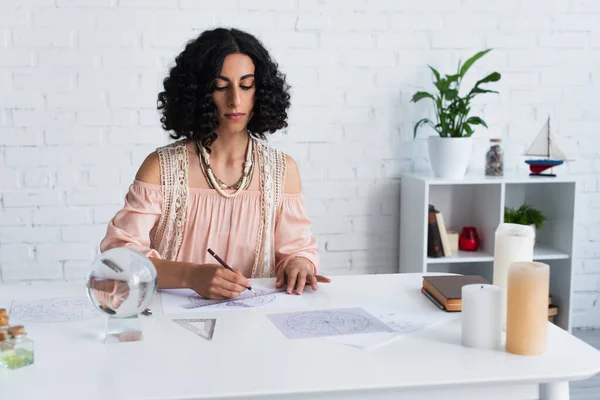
[(131, 226), (293, 236)]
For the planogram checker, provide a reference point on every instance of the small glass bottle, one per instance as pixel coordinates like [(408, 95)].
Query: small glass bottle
[(494, 159), (3, 318), (4, 345), (20, 349)]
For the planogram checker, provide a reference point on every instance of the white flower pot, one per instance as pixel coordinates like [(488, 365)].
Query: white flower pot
[(449, 157)]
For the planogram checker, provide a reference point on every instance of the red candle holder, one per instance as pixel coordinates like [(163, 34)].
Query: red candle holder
[(469, 239)]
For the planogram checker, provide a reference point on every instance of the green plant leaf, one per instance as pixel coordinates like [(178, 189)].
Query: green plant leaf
[(421, 122), (452, 78), (465, 67), (451, 94), (478, 90), (442, 85), (493, 77), (524, 215), (469, 130), (420, 96), (445, 122), (438, 103), (476, 121), (435, 73)]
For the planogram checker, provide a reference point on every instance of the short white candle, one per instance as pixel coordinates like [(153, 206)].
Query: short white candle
[(481, 316)]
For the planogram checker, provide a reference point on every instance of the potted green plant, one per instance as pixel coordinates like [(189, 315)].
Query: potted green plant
[(525, 215), (450, 149)]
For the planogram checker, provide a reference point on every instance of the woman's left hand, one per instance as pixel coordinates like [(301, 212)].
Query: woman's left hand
[(297, 273)]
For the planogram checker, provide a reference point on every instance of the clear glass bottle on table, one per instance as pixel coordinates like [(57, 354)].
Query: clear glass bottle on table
[(4, 345), (19, 349), (494, 159)]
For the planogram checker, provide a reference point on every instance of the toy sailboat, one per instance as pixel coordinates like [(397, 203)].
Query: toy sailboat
[(545, 146)]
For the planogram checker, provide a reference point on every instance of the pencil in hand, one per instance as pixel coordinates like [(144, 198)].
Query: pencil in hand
[(223, 263)]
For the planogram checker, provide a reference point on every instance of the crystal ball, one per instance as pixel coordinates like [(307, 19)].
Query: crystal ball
[(122, 282)]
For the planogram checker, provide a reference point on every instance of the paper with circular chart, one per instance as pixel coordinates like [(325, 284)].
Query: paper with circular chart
[(175, 301), (59, 309), (403, 321), (331, 322)]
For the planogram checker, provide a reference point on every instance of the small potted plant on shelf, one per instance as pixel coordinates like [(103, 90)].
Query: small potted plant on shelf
[(450, 149), (525, 215)]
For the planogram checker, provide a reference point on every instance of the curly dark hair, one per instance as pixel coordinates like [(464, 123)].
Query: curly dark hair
[(187, 106)]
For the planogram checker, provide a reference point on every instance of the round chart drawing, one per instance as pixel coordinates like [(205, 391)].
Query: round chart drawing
[(67, 309), (327, 323)]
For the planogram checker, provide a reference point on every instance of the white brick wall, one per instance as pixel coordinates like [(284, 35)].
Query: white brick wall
[(78, 84)]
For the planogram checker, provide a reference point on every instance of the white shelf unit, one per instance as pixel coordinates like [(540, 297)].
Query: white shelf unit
[(479, 201)]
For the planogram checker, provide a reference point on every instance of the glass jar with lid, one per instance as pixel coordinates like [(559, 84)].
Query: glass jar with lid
[(4, 345), (494, 159), (18, 351)]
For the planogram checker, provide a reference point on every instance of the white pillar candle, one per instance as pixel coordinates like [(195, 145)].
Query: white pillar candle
[(513, 242), (481, 324)]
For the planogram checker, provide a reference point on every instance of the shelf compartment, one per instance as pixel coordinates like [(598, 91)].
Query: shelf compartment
[(470, 205), (462, 257), (557, 202), (540, 253)]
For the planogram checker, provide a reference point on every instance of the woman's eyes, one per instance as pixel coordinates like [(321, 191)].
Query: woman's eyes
[(222, 88)]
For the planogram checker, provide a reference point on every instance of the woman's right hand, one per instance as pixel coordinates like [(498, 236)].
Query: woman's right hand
[(212, 281)]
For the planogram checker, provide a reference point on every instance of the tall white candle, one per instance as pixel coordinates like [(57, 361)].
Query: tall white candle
[(513, 242), (481, 324)]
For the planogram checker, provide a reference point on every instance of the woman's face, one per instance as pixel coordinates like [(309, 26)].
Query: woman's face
[(234, 92)]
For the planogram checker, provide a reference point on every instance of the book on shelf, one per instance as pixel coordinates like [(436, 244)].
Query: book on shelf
[(443, 234), (447, 289), (438, 243), (552, 310)]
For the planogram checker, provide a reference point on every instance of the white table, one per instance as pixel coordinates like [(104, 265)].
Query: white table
[(249, 358)]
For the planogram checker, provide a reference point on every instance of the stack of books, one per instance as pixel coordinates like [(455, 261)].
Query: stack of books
[(446, 291), (440, 242)]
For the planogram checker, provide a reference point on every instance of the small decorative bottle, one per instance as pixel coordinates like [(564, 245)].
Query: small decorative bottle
[(3, 318), (494, 159), (20, 349), (4, 346)]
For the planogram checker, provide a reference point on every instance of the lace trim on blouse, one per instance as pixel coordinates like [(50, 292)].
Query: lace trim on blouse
[(174, 164)]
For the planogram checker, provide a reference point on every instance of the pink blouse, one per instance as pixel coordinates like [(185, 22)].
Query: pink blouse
[(227, 226)]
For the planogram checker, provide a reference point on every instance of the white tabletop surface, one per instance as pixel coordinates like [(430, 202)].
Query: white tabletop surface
[(249, 356)]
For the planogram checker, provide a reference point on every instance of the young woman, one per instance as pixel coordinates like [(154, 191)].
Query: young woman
[(220, 186)]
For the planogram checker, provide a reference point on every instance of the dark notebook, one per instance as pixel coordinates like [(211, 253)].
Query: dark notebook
[(446, 289)]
